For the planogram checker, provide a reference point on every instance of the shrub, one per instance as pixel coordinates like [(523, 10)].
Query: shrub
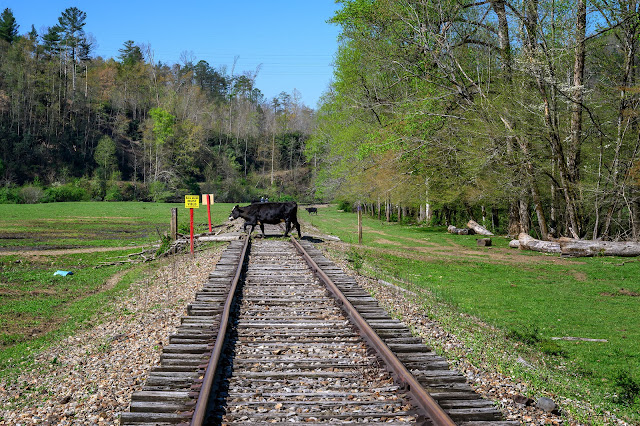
[(627, 389), (128, 192), (67, 192), (344, 205), (159, 192), (31, 194), (141, 192), (113, 193), (10, 195), (356, 259)]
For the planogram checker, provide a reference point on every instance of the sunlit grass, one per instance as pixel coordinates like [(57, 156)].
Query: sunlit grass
[(36, 307), (528, 297)]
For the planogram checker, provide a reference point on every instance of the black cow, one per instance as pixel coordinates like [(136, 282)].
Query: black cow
[(271, 213), (311, 210)]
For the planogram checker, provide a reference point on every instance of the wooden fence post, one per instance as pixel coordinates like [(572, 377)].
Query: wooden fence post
[(173, 233), (359, 224)]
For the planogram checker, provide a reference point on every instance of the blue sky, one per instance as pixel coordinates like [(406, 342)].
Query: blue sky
[(290, 38)]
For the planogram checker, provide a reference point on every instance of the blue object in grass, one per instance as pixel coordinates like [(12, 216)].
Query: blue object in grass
[(63, 273)]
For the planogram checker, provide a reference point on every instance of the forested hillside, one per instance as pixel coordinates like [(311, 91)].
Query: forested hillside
[(524, 113), (76, 126)]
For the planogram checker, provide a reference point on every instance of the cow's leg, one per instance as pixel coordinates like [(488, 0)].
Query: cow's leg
[(252, 224), (287, 223), (298, 229), (262, 229)]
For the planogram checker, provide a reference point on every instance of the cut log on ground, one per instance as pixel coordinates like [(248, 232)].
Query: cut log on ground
[(478, 229), (579, 339), (580, 248), (527, 242), (459, 231), (587, 248), (514, 243), (483, 242)]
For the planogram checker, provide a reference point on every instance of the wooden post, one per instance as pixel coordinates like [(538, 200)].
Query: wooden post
[(173, 232), (359, 224)]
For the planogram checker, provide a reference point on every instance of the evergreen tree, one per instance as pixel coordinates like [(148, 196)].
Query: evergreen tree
[(130, 54), (8, 26), (72, 22), (51, 41)]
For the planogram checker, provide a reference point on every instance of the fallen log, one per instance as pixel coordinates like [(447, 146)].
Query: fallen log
[(527, 242), (588, 248), (478, 229), (514, 244), (579, 248), (579, 339), (459, 231)]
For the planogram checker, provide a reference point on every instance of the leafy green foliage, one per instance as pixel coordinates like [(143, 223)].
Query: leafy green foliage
[(133, 119), (163, 123), (356, 259), (432, 103)]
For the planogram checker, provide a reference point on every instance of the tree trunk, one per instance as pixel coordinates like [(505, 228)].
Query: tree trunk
[(584, 248), (523, 212), (527, 242), (478, 229), (573, 157)]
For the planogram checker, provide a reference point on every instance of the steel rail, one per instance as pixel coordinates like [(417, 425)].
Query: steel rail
[(420, 396), (200, 409)]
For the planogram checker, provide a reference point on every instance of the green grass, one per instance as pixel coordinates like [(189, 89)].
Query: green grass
[(36, 307), (528, 297), (74, 225)]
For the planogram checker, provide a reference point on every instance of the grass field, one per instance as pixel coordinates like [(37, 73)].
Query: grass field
[(37, 307), (528, 297)]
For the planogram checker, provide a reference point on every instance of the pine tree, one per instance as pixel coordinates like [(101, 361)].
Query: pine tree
[(8, 26), (130, 54)]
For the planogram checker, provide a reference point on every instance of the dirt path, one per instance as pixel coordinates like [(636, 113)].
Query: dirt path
[(60, 252)]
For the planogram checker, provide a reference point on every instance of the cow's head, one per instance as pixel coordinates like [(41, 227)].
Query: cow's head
[(235, 213)]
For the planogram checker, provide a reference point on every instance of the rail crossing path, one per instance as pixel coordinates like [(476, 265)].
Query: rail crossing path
[(302, 343)]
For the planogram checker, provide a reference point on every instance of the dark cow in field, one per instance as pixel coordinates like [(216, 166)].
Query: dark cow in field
[(311, 210), (271, 213)]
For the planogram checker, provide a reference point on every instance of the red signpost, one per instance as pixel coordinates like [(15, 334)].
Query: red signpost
[(191, 202), (191, 228)]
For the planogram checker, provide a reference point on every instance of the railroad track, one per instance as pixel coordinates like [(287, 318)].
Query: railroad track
[(302, 345)]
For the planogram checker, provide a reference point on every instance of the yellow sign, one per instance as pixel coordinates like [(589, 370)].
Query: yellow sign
[(191, 201)]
